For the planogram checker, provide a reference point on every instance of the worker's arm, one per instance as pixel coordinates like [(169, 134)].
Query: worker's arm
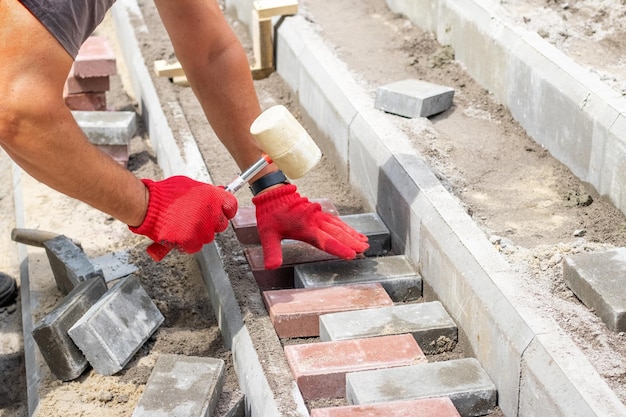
[(39, 132), (217, 68)]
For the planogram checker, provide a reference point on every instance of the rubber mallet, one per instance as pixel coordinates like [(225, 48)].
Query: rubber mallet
[(284, 142)]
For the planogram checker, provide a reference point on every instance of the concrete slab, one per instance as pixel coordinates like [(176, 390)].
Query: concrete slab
[(295, 312), (429, 323), (320, 368), (429, 407), (413, 98), (182, 386), (63, 357), (462, 380), (114, 328), (107, 127), (396, 274), (70, 265), (598, 279)]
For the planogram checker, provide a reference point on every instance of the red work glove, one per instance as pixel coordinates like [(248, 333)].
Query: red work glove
[(184, 214), (283, 214)]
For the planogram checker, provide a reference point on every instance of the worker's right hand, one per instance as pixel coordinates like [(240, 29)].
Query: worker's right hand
[(184, 214), (282, 213)]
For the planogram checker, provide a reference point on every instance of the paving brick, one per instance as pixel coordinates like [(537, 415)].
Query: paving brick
[(245, 227), (86, 101), (64, 358), (74, 85), (182, 386), (429, 323), (414, 98), (107, 127), (598, 279), (462, 380), (295, 312), (320, 368), (428, 407), (114, 328), (396, 274), (294, 253), (95, 58), (372, 226), (70, 265)]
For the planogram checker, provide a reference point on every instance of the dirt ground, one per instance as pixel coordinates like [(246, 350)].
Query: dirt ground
[(529, 205)]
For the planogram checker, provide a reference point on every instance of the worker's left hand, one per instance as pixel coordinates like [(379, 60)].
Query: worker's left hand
[(283, 214), (184, 214)]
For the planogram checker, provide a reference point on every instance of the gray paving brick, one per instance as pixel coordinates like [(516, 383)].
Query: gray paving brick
[(70, 265), (372, 226), (63, 357), (429, 323), (396, 274), (414, 98), (107, 127), (114, 328), (462, 380), (598, 279), (182, 386)]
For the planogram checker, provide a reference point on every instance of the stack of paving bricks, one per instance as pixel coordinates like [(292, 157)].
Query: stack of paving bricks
[(88, 80), (92, 324), (374, 331), (85, 94)]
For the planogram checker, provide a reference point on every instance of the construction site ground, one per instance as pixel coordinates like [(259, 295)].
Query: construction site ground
[(530, 205)]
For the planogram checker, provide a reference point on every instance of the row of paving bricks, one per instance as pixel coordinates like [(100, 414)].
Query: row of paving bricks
[(371, 329)]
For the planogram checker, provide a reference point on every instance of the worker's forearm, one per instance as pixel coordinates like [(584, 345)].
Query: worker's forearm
[(218, 71), (55, 151)]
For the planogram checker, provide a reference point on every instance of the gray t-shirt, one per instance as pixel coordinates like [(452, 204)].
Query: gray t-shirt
[(71, 22)]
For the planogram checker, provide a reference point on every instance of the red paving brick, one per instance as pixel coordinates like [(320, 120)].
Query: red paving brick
[(244, 222), (428, 407), (86, 101), (95, 58), (74, 85), (320, 368), (295, 312), (294, 253)]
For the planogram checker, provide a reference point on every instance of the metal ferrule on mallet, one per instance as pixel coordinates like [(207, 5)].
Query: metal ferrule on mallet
[(285, 143)]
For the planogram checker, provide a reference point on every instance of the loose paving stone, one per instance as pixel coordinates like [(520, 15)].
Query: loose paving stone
[(414, 98), (64, 358), (429, 323), (320, 368), (70, 265), (182, 386), (295, 312), (462, 380), (75, 85), (429, 407), (108, 127), (396, 274), (245, 227), (95, 58), (598, 279), (114, 328)]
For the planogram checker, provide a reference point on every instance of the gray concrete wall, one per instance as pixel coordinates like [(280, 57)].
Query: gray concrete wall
[(561, 105), (429, 225)]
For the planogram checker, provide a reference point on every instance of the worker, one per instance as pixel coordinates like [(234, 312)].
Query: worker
[(39, 39)]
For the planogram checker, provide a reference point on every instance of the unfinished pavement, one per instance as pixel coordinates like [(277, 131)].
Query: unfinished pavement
[(474, 283), (519, 339)]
